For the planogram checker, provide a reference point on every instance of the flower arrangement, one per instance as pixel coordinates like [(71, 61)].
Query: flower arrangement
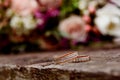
[(57, 24)]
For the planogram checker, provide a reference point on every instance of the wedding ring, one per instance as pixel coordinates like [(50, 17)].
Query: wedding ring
[(66, 56), (82, 58), (71, 57)]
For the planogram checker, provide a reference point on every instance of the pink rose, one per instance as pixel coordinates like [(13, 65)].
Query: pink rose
[(24, 7), (73, 28)]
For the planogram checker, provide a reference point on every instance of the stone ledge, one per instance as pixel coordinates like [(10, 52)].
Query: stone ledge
[(37, 73), (104, 65)]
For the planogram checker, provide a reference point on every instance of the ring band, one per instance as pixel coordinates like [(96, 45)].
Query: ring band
[(71, 57)]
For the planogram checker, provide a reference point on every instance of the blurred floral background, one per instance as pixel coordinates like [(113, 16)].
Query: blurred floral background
[(36, 25)]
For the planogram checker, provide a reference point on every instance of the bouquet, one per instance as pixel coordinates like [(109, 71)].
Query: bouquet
[(34, 25)]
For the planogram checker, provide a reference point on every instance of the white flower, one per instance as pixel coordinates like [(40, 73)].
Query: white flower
[(83, 4), (108, 20), (73, 28), (23, 25), (29, 22), (16, 22)]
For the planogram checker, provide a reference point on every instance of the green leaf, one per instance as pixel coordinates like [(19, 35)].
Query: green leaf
[(68, 7)]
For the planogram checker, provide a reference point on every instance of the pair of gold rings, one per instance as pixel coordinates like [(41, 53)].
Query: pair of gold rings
[(71, 57)]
